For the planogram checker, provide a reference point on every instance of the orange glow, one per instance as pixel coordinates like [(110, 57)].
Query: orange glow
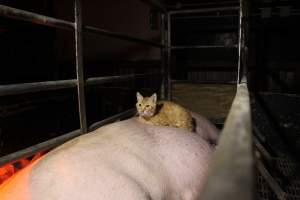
[(10, 169)]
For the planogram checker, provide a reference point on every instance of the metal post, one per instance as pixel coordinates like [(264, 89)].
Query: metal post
[(168, 68), (79, 67), (243, 47), (163, 56)]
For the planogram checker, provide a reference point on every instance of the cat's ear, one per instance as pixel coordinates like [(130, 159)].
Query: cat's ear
[(139, 97), (154, 97)]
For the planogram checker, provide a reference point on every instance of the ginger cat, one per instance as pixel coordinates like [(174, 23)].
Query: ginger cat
[(163, 113)]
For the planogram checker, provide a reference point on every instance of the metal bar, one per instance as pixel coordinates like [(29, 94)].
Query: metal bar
[(49, 144), (281, 195), (203, 10), (112, 34), (163, 56), (22, 88), (125, 114), (100, 80), (202, 47), (156, 4), (242, 46), (168, 68), (231, 171), (79, 67), (52, 143), (23, 15)]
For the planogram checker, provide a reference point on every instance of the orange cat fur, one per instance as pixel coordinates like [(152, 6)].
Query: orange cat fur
[(163, 113)]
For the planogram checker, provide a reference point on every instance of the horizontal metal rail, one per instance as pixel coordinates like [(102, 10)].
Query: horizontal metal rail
[(204, 10), (110, 79), (21, 88), (103, 32), (231, 174), (202, 47), (52, 143), (49, 144), (23, 15)]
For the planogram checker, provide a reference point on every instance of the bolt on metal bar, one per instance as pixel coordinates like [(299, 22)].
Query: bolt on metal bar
[(6, 11), (22, 88), (79, 67), (203, 47), (156, 4), (231, 174), (204, 10), (103, 32)]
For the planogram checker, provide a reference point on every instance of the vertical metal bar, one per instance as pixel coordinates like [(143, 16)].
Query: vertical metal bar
[(163, 56), (240, 43), (168, 68), (79, 67), (243, 48)]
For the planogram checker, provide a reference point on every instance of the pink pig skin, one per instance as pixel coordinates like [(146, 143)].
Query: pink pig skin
[(126, 160)]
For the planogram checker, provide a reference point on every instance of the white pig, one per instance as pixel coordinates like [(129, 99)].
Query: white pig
[(126, 160)]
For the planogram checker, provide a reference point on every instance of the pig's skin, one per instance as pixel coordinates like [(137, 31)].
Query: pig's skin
[(122, 161)]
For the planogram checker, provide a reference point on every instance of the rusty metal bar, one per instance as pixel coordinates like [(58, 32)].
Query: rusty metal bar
[(168, 68), (125, 114), (203, 10), (103, 32), (156, 4), (79, 67), (49, 144), (203, 47), (231, 174), (13, 89), (14, 13)]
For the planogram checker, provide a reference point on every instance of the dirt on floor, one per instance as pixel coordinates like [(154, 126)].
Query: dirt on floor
[(210, 100)]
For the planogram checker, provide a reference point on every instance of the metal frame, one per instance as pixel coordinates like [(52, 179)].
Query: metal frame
[(80, 82), (232, 169), (231, 174)]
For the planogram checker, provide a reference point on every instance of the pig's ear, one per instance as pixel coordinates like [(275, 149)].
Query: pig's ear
[(139, 97), (154, 98)]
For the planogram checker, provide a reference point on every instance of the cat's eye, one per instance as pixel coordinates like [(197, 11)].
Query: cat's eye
[(140, 105), (147, 106)]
